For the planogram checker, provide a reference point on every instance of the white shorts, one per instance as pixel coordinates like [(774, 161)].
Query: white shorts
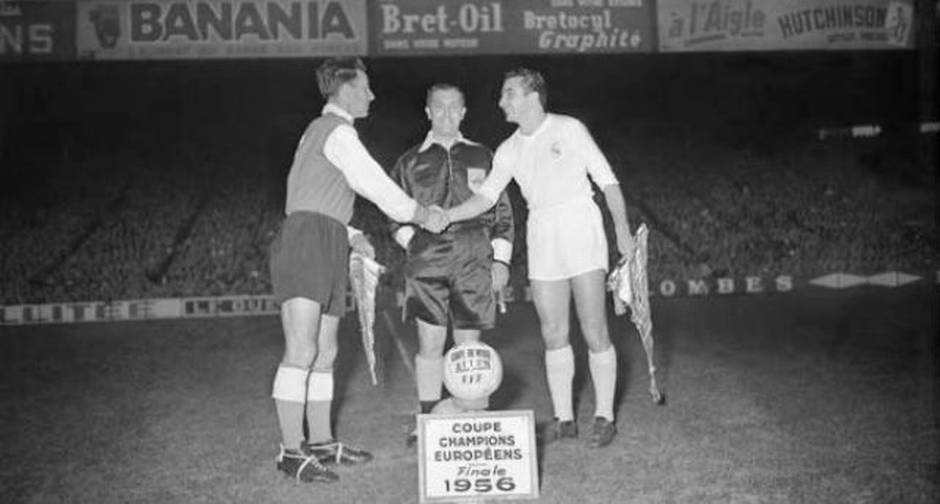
[(566, 240)]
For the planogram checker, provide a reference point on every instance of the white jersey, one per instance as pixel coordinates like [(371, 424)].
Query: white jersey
[(551, 165), (565, 231)]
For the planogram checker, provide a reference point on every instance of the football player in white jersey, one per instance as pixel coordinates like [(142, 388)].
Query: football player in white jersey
[(551, 157)]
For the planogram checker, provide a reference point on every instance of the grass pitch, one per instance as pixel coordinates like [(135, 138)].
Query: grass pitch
[(812, 397)]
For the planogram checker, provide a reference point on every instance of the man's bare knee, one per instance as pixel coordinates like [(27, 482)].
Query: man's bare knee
[(300, 320), (555, 335), (595, 332)]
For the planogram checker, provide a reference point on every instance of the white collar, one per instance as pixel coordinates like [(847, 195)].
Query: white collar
[(542, 127), (332, 108), (431, 140)]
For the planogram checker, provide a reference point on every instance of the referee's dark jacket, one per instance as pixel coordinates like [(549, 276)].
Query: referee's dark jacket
[(435, 175)]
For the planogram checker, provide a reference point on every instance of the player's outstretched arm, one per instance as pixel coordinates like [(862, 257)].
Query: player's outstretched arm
[(488, 193), (368, 179), (476, 205), (618, 213)]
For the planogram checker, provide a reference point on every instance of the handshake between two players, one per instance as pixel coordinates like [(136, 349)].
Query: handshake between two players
[(452, 217)]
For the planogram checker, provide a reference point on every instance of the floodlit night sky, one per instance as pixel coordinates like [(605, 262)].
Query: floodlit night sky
[(267, 102)]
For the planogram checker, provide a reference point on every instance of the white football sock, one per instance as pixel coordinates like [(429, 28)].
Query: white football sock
[(429, 373), (559, 369), (604, 375), (288, 391), (319, 404)]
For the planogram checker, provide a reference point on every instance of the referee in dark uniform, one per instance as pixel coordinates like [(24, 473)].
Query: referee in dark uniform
[(451, 279)]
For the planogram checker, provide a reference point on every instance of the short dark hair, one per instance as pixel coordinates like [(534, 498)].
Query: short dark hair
[(444, 86), (334, 72), (532, 80)]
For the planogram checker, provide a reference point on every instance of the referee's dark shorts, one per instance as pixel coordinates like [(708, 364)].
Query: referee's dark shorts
[(448, 278), (310, 259)]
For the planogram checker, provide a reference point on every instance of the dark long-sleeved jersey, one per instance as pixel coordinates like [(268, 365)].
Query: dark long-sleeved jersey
[(434, 175)]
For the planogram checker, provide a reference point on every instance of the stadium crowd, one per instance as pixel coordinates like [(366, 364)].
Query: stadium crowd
[(714, 208)]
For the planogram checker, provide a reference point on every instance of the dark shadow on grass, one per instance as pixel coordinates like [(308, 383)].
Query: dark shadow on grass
[(349, 355), (508, 391), (579, 385), (662, 353), (621, 334)]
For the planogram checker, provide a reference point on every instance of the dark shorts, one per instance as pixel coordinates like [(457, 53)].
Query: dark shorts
[(448, 279), (310, 259)]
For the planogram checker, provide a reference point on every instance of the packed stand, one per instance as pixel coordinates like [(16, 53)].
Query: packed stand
[(715, 208), (43, 222)]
